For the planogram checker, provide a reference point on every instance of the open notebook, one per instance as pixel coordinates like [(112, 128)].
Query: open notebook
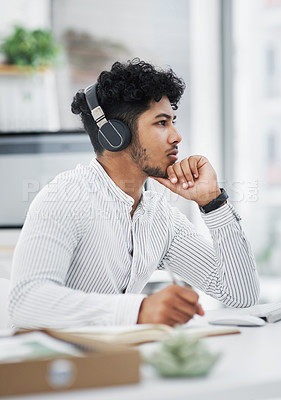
[(144, 333)]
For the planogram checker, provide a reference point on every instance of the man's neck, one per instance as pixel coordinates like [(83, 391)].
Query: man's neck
[(124, 173)]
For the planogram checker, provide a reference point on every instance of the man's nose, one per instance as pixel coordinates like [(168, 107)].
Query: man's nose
[(174, 136)]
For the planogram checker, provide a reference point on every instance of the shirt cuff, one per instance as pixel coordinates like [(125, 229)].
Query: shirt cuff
[(127, 309), (220, 217)]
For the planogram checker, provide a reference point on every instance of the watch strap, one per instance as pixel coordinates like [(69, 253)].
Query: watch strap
[(214, 204)]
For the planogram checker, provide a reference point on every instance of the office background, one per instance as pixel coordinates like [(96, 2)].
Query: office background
[(229, 54)]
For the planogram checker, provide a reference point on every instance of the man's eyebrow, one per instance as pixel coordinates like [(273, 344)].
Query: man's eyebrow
[(164, 115)]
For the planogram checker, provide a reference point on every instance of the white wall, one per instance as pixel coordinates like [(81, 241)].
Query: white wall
[(31, 13), (205, 88)]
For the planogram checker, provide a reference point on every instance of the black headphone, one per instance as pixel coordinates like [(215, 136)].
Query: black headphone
[(113, 134)]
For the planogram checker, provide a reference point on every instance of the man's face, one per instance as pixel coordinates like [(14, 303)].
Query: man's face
[(154, 145)]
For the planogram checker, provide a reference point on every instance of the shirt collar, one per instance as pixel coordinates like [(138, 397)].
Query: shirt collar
[(112, 187)]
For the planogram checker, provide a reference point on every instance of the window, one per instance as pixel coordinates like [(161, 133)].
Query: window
[(256, 153)]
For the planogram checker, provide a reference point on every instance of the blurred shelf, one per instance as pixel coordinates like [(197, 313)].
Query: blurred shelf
[(7, 69)]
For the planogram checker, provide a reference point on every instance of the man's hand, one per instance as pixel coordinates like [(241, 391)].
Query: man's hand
[(173, 305), (193, 178)]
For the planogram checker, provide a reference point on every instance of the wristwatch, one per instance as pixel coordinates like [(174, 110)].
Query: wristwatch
[(216, 203)]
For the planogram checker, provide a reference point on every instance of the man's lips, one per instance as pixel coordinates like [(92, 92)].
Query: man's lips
[(173, 155)]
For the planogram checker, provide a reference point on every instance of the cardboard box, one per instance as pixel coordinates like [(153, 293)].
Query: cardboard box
[(103, 365)]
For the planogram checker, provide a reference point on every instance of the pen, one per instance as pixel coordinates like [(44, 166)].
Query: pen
[(172, 276), (176, 282)]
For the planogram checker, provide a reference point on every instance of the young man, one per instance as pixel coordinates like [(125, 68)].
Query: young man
[(93, 237)]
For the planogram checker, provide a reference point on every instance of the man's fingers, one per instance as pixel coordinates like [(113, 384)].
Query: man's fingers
[(183, 312), (174, 304), (181, 173), (187, 172), (187, 294), (185, 303), (193, 163), (187, 310), (200, 310), (188, 303), (178, 317), (171, 174)]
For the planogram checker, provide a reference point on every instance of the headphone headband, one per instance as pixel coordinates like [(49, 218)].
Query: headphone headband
[(113, 135), (92, 101)]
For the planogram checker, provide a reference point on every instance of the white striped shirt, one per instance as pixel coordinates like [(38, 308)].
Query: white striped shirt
[(82, 260)]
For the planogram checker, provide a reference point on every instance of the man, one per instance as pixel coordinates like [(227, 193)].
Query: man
[(93, 237)]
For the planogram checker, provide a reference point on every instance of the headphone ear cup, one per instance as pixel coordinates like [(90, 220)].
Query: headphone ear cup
[(114, 135)]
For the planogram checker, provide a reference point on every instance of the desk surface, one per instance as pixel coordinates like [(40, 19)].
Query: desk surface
[(249, 369)]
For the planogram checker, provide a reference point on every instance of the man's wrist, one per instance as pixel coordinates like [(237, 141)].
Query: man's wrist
[(208, 197), (216, 203)]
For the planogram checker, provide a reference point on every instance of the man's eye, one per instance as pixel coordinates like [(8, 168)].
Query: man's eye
[(162, 122)]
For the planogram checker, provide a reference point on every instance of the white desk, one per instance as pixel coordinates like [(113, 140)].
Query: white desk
[(249, 369)]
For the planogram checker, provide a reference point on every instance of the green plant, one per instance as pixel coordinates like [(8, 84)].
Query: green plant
[(35, 48), (182, 355)]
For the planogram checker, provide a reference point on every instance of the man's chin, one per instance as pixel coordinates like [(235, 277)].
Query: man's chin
[(159, 176), (162, 174), (155, 172)]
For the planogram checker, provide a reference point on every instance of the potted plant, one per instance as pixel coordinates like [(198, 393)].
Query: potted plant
[(29, 48), (25, 77)]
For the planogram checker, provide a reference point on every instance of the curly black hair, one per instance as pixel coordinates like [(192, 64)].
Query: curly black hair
[(125, 92)]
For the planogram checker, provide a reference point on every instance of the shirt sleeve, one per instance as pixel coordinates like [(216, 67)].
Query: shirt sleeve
[(224, 269), (39, 297)]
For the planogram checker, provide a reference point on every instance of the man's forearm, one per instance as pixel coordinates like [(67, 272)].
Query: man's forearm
[(224, 269)]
